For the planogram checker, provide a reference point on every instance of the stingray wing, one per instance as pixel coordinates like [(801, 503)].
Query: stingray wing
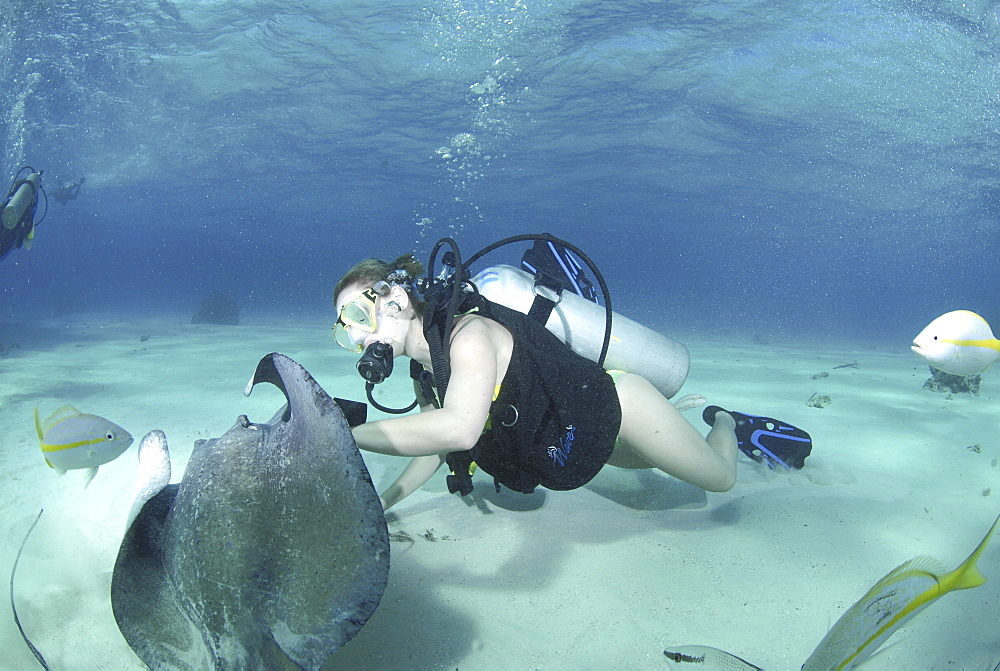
[(142, 598)]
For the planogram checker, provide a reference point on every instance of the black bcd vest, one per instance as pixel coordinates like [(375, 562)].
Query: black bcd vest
[(555, 420)]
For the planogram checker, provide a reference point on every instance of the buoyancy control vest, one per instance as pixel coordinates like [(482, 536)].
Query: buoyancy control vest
[(555, 420)]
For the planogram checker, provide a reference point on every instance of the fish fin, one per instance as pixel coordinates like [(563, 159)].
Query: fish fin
[(38, 425), (49, 463), (918, 565), (967, 575), (60, 471), (89, 475), (60, 413)]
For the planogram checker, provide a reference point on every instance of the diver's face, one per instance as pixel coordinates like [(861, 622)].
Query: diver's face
[(358, 318), (365, 318)]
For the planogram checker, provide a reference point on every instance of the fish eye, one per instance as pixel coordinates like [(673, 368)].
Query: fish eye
[(935, 337), (109, 436)]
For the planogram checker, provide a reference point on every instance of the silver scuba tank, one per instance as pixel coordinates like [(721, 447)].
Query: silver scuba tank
[(580, 324), (19, 202)]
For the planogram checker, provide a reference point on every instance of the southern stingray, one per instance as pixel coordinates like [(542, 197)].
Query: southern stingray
[(271, 552)]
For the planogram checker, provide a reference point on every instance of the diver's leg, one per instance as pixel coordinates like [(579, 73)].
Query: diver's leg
[(653, 431)]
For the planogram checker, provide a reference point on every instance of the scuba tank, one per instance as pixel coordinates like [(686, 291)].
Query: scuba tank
[(580, 324), (23, 195), (17, 211)]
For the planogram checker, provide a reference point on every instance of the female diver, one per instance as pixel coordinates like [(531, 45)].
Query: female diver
[(625, 423)]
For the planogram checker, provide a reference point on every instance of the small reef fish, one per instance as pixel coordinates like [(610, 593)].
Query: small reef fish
[(958, 342), (71, 440), (705, 658), (887, 606), (689, 401)]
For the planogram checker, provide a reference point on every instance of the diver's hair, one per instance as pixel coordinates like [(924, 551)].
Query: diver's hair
[(367, 272)]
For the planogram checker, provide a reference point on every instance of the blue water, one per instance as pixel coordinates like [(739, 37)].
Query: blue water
[(781, 167)]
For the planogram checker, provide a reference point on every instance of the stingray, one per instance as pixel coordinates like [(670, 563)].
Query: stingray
[(272, 552)]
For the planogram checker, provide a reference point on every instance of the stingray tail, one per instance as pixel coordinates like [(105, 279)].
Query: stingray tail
[(34, 650)]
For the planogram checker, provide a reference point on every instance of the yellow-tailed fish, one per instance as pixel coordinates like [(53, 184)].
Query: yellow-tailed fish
[(959, 342), (888, 605), (71, 439)]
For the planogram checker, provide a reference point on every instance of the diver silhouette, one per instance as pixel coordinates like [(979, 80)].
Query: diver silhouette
[(18, 211), (68, 191)]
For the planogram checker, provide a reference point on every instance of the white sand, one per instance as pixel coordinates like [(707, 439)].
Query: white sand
[(604, 577)]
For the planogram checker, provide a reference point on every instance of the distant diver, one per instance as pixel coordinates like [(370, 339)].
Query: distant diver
[(68, 191), (18, 211)]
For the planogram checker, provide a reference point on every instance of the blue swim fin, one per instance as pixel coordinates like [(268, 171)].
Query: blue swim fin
[(549, 258), (777, 443)]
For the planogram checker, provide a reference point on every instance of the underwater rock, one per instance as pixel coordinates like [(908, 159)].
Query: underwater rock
[(219, 308), (946, 383), (819, 401)]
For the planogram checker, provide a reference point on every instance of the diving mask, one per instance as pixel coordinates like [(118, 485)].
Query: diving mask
[(360, 316)]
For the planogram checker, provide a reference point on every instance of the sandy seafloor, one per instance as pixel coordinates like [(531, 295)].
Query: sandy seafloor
[(604, 577)]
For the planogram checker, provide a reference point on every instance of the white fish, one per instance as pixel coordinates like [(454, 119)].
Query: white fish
[(887, 606), (958, 342), (689, 401), (70, 439), (705, 658)]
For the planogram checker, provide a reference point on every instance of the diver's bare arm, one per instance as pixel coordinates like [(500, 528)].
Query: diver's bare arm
[(413, 477), (419, 470), (455, 427)]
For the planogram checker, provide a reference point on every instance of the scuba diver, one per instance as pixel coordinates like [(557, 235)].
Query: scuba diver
[(18, 211), (498, 391), (68, 191)]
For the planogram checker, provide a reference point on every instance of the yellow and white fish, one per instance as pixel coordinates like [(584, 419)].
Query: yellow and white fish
[(887, 606), (71, 440), (958, 342)]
